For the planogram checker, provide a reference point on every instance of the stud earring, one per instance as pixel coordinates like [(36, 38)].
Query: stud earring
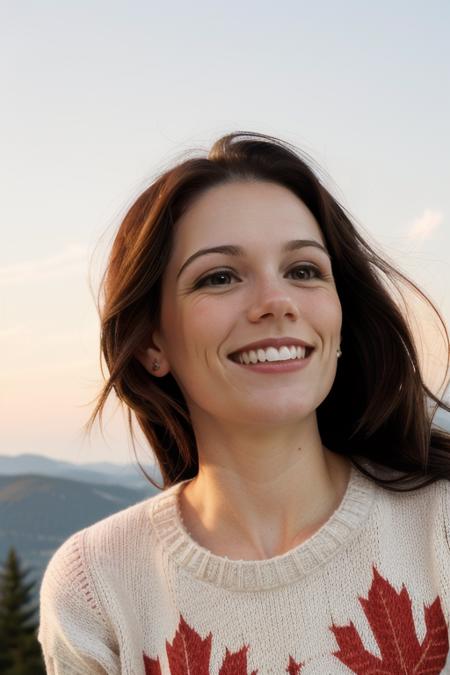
[(338, 352), (155, 365)]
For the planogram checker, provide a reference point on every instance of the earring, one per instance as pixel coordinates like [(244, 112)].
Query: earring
[(338, 352), (155, 365)]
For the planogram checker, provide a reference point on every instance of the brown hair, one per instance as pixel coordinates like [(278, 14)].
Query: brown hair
[(378, 407)]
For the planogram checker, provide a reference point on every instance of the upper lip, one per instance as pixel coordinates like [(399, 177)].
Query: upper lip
[(272, 342)]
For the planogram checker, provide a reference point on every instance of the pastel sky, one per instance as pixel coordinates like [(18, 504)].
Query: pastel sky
[(98, 97)]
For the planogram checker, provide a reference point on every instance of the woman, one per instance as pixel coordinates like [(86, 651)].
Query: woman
[(248, 327)]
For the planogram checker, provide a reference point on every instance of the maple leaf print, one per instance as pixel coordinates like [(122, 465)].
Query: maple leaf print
[(293, 667), (390, 616), (235, 663), (152, 666), (188, 653)]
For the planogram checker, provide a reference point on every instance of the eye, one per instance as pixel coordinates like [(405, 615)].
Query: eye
[(218, 278), (305, 272)]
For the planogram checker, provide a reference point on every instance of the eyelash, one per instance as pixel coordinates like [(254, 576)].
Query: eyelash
[(202, 282)]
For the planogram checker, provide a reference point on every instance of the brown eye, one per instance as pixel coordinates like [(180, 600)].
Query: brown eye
[(305, 272), (218, 278)]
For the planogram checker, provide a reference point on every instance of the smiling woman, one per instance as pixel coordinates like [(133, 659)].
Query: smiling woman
[(264, 301), (249, 329)]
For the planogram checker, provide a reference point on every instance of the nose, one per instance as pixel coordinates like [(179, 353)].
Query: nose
[(273, 300)]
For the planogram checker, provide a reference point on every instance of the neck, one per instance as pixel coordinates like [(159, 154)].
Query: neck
[(259, 494)]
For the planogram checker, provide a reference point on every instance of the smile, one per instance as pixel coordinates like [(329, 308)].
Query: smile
[(272, 354)]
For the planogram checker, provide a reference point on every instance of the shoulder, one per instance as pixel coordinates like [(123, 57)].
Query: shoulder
[(428, 507), (70, 590), (103, 540), (432, 495), (77, 625)]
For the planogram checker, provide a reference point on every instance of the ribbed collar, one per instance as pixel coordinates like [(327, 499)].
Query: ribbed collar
[(252, 575)]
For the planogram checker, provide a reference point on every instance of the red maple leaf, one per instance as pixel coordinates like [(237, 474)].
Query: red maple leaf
[(235, 663), (391, 619), (152, 666), (188, 653), (293, 667)]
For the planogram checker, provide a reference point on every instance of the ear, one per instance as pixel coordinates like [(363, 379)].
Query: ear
[(153, 357)]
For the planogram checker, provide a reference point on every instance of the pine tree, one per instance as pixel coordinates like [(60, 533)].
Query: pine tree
[(20, 651)]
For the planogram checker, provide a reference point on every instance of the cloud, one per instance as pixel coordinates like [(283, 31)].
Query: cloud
[(425, 225), (71, 260)]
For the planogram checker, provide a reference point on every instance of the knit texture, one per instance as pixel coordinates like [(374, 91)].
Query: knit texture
[(367, 593)]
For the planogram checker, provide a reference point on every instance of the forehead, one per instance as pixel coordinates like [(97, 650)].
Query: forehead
[(244, 212)]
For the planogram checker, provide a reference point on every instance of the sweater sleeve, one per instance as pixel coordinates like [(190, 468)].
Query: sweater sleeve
[(73, 631)]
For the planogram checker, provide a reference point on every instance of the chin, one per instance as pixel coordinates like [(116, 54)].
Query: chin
[(275, 414)]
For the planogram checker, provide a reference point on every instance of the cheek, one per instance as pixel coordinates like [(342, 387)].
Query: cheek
[(197, 333), (205, 321), (326, 314), (194, 330)]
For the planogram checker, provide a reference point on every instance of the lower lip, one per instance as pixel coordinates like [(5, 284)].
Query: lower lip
[(276, 366)]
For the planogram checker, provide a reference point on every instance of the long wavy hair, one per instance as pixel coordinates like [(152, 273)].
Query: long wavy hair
[(379, 409)]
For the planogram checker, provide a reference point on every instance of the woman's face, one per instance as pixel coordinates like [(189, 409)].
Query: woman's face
[(272, 281)]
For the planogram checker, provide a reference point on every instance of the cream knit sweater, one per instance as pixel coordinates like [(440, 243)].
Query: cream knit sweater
[(369, 592)]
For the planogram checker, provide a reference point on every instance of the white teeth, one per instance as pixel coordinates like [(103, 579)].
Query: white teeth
[(272, 354), (285, 353)]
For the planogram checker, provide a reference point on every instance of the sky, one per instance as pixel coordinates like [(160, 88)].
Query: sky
[(99, 97)]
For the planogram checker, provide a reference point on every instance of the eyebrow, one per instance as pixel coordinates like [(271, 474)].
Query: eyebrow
[(231, 249)]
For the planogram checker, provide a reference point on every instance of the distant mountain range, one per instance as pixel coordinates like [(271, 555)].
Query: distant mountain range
[(127, 475), (43, 501)]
